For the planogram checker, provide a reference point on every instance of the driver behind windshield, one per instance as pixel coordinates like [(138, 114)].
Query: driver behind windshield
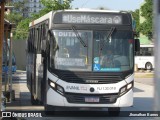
[(107, 60)]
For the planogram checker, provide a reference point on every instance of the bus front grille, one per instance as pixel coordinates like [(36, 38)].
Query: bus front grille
[(88, 77), (91, 79), (80, 98)]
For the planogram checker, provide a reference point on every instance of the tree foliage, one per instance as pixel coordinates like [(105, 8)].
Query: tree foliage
[(23, 24), (147, 13), (14, 17), (22, 29)]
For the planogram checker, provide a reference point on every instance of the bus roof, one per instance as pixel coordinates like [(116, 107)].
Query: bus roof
[(43, 18), (92, 10)]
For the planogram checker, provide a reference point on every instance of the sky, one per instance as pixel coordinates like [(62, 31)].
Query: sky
[(108, 4)]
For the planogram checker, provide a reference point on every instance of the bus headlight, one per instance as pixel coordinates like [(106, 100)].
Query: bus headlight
[(52, 84), (56, 87), (125, 89), (130, 85)]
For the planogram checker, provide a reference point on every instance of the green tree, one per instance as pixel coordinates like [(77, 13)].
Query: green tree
[(135, 15), (147, 13), (14, 17), (49, 5), (22, 29)]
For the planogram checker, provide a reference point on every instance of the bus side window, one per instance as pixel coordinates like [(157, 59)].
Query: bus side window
[(31, 39), (43, 32), (43, 35), (36, 40), (38, 30), (150, 51), (40, 38), (28, 41)]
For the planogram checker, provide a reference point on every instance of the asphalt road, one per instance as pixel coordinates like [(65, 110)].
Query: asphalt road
[(147, 81)]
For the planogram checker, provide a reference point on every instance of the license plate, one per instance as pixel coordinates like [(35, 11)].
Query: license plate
[(91, 99)]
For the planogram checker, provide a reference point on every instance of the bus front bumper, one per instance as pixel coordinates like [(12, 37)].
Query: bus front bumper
[(55, 99)]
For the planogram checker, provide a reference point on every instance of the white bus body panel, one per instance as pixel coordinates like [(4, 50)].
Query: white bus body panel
[(142, 60), (56, 99)]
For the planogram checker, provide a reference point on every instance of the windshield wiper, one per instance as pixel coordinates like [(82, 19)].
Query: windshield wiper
[(78, 36), (110, 33)]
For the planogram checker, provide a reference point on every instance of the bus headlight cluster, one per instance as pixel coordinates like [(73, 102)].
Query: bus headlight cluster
[(56, 87), (125, 89)]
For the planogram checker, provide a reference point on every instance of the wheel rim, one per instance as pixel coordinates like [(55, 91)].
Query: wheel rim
[(148, 66)]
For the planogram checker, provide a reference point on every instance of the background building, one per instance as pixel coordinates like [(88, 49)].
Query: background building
[(29, 7), (34, 6)]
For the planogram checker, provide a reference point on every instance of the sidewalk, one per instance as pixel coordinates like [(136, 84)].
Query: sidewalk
[(22, 99), (144, 74)]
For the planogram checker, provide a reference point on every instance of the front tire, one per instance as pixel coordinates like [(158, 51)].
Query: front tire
[(49, 110), (114, 111), (33, 101), (148, 66)]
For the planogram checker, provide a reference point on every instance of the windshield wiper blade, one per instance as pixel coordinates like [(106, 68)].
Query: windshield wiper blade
[(110, 33), (78, 36)]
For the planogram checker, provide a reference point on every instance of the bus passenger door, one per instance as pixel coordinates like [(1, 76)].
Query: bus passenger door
[(38, 78)]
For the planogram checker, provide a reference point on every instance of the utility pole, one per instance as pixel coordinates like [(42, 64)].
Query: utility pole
[(10, 65), (2, 9), (157, 53)]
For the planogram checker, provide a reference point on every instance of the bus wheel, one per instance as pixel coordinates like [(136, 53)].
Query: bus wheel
[(49, 110), (148, 66), (114, 111), (33, 101)]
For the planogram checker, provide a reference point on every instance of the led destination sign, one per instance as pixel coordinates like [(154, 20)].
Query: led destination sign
[(91, 18)]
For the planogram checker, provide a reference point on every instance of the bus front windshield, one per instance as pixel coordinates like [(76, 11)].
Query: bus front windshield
[(71, 50), (98, 51), (113, 51)]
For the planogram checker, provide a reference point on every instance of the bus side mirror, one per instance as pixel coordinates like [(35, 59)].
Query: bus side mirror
[(137, 45)]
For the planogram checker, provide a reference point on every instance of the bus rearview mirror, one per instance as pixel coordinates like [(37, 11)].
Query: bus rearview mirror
[(137, 45)]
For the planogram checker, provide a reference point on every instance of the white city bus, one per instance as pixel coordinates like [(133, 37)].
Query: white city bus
[(144, 58), (69, 64)]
